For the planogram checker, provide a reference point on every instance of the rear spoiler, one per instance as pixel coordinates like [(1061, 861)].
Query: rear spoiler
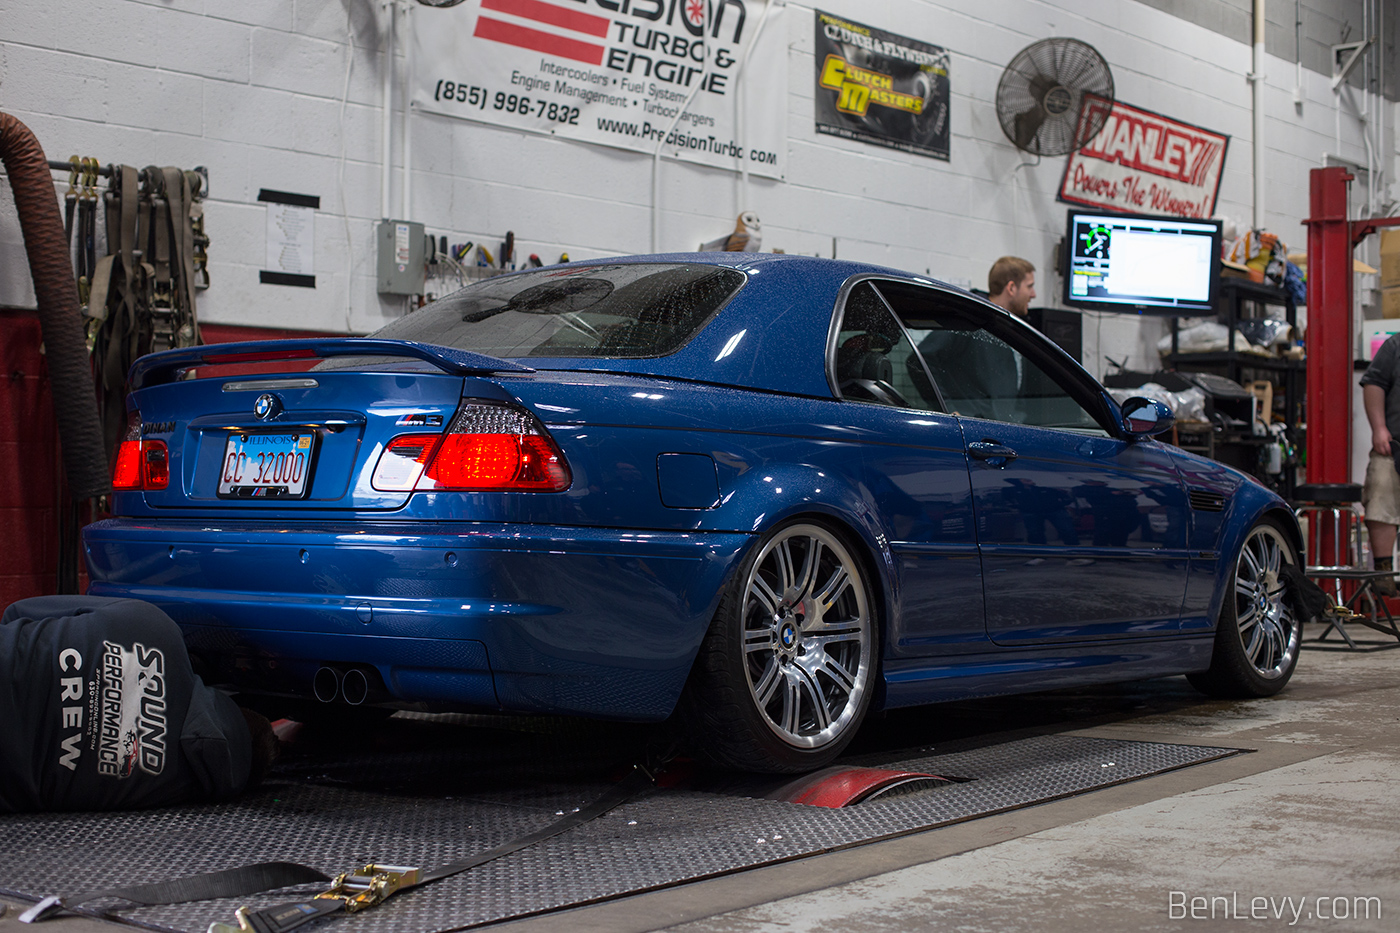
[(165, 366)]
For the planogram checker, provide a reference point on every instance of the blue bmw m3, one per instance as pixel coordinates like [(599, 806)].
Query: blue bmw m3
[(764, 494)]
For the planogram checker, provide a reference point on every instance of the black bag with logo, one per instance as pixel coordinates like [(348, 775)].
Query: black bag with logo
[(102, 711)]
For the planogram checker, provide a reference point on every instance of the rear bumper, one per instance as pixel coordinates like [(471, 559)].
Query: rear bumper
[(601, 622)]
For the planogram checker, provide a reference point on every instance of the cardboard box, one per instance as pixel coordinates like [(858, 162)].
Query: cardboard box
[(1390, 258), (1263, 391), (1390, 302)]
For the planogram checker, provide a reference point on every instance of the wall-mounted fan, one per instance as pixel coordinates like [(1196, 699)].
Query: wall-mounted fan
[(1040, 93)]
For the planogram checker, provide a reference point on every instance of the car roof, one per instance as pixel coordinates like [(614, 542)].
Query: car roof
[(771, 336)]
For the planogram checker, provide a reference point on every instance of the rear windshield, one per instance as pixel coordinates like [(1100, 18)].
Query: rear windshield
[(624, 311)]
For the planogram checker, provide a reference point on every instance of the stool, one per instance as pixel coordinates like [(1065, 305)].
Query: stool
[(1324, 506), (1334, 505)]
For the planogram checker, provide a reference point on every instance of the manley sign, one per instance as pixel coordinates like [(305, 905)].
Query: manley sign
[(1141, 161)]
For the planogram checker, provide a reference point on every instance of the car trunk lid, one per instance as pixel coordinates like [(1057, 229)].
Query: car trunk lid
[(296, 441)]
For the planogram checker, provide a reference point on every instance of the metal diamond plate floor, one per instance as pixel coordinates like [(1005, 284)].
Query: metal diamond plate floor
[(338, 811)]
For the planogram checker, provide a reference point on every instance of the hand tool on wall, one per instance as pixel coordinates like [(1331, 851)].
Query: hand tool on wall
[(508, 251)]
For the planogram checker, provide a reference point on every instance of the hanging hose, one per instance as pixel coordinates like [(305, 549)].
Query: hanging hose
[(70, 374)]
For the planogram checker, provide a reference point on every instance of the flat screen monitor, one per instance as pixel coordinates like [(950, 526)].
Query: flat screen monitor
[(1141, 263)]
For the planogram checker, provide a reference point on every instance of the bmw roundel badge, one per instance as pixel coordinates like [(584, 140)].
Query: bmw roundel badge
[(266, 406)]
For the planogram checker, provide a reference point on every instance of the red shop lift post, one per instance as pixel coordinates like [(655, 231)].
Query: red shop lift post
[(1332, 237)]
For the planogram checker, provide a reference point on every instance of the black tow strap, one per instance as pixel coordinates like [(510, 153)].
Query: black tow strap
[(350, 892), (233, 882)]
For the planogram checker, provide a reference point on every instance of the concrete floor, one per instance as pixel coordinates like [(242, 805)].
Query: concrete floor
[(1314, 812), (1301, 832)]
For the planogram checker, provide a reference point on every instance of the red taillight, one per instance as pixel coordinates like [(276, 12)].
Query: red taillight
[(497, 461), (486, 447), (141, 463), (466, 460), (126, 473)]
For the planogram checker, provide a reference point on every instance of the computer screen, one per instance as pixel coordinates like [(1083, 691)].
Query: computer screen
[(1143, 264)]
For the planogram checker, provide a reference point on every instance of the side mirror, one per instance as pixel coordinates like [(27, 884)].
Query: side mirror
[(1145, 417)]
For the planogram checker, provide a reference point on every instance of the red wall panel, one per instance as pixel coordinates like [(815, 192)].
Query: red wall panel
[(28, 463)]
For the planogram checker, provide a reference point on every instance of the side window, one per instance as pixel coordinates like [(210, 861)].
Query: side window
[(875, 359), (977, 373)]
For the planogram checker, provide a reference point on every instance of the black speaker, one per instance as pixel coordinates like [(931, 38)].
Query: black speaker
[(1064, 328)]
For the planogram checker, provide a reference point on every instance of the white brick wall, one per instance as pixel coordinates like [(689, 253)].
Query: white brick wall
[(253, 91)]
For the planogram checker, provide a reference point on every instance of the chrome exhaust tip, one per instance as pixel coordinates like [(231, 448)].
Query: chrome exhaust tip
[(354, 687), (325, 686)]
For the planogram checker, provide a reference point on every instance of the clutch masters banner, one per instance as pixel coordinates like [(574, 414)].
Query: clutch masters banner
[(1143, 162), (881, 88), (613, 72)]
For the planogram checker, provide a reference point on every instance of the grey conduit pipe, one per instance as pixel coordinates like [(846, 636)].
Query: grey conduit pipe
[(1256, 79), (70, 373)]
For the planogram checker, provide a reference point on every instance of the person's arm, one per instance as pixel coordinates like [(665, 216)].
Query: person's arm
[(1373, 397)]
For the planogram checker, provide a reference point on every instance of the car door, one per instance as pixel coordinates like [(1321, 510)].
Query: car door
[(1081, 531), (914, 468)]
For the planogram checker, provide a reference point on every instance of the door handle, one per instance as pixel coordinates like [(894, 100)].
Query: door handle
[(991, 450)]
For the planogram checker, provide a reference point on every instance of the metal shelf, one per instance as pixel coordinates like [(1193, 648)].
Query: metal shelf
[(1242, 360), (1287, 373)]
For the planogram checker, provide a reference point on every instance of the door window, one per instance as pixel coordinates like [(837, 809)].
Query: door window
[(875, 358), (979, 373)]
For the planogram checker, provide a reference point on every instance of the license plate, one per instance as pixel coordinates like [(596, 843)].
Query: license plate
[(267, 466)]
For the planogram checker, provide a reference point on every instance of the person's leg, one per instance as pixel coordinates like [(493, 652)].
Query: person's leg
[(1382, 541), (1380, 498), (265, 747)]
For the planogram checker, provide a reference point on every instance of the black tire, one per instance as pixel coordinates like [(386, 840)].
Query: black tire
[(780, 685), (1257, 638)]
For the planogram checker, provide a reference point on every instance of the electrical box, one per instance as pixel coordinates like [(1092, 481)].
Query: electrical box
[(400, 267)]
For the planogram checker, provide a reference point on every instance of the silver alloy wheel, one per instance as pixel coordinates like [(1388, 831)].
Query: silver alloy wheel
[(1269, 631), (807, 636)]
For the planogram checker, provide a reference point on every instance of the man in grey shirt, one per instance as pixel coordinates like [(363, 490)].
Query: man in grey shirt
[(1380, 496)]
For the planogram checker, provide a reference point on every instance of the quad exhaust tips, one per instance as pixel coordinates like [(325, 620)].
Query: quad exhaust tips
[(351, 685)]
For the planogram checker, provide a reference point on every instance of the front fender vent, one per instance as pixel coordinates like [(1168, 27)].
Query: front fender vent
[(1203, 501)]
